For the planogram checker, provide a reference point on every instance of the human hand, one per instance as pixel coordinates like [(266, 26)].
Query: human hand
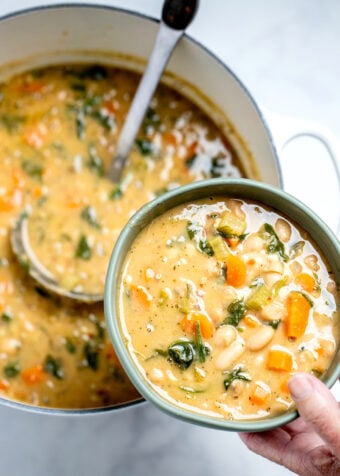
[(310, 445)]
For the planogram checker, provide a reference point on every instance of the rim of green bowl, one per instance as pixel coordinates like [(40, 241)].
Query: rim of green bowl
[(269, 195)]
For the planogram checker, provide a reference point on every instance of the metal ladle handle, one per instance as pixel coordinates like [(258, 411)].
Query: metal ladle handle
[(176, 16)]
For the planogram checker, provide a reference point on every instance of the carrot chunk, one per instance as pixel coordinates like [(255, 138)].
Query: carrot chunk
[(11, 200), (279, 359), (306, 282), (141, 294), (298, 308), (34, 375), (236, 271), (188, 324), (260, 394)]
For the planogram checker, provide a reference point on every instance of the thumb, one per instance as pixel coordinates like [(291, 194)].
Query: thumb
[(318, 408)]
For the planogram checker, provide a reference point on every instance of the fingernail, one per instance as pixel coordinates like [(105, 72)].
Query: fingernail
[(300, 387)]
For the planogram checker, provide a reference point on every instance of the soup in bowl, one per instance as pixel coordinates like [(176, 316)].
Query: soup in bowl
[(216, 294)]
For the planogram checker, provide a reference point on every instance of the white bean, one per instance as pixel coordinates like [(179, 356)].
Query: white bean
[(225, 335), (253, 243), (283, 230), (274, 311), (229, 355), (260, 338), (271, 278)]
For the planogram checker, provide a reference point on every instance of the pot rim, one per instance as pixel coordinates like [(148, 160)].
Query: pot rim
[(59, 6)]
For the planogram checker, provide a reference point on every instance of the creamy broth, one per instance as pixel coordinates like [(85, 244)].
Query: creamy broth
[(58, 130), (231, 299)]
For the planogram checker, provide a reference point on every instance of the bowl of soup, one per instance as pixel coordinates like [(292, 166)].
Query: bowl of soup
[(64, 95), (217, 293)]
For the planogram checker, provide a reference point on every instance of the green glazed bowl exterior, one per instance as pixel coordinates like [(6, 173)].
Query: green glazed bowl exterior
[(237, 188)]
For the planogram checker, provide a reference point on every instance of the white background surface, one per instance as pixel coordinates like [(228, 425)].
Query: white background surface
[(288, 56)]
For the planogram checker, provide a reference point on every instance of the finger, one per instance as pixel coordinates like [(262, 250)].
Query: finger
[(318, 407), (269, 444)]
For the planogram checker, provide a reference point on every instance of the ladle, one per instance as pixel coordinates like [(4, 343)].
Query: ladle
[(176, 16)]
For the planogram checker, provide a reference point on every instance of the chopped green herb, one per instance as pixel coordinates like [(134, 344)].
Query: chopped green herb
[(33, 169), (274, 245), (12, 370), (90, 216), (83, 250), (236, 374), (53, 367), (236, 311)]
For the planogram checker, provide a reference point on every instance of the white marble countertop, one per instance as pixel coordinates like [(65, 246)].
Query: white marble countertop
[(287, 54)]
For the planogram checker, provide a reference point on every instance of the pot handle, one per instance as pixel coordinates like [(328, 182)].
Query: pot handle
[(286, 129)]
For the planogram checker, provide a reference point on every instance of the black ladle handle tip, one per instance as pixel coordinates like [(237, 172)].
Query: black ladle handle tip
[(178, 14)]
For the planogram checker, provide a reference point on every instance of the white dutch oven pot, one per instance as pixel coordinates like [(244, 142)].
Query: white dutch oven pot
[(79, 33)]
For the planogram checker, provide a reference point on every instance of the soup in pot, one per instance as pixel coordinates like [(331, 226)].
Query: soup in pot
[(230, 300), (58, 130)]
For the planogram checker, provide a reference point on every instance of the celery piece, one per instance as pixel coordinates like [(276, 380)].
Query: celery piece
[(231, 225), (219, 247), (258, 298)]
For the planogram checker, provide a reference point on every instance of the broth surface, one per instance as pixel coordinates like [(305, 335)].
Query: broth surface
[(229, 301), (58, 130)]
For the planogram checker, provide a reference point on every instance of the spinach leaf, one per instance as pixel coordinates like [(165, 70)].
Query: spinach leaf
[(274, 324), (11, 122), (91, 353), (12, 370), (236, 374), (202, 350), (116, 193), (145, 146), (151, 120), (90, 216), (70, 345), (205, 248), (274, 245), (95, 163), (95, 72), (6, 317), (182, 353), (190, 161), (33, 169), (53, 367), (236, 311), (83, 250)]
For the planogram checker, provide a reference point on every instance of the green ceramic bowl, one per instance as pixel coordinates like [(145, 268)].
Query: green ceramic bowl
[(239, 188)]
